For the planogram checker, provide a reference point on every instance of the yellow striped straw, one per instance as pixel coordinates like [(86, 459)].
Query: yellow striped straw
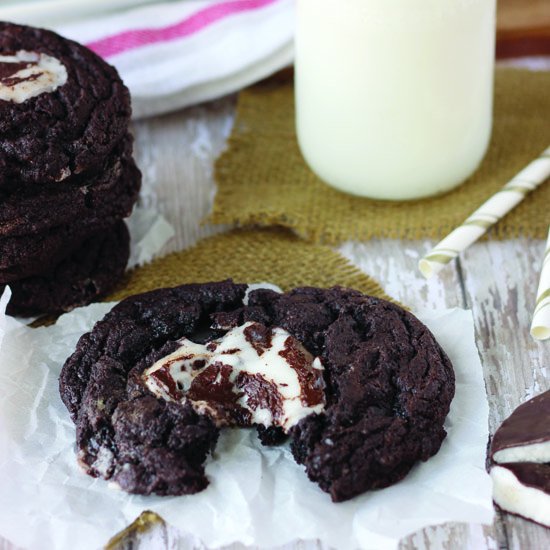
[(540, 327), (489, 213)]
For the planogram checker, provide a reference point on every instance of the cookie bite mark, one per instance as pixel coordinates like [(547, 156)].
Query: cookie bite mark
[(254, 375), (374, 356), (25, 74)]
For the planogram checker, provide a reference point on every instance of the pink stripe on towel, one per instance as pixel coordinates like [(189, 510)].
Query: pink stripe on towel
[(135, 38)]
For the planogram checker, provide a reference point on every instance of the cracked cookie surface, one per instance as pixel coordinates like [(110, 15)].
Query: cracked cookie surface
[(108, 194), (388, 387), (64, 131)]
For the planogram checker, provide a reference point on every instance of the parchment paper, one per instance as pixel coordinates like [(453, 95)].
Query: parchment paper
[(256, 495), (149, 232)]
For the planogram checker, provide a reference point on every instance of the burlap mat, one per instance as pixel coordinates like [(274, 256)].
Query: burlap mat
[(268, 255), (262, 179)]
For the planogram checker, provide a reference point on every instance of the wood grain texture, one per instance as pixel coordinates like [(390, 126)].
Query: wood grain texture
[(500, 281), (175, 153)]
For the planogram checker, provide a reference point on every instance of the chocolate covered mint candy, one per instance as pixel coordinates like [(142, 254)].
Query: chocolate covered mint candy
[(525, 435), (523, 488)]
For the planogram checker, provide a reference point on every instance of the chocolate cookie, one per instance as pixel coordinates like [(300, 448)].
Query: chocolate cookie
[(144, 420), (108, 194), (389, 386), (62, 108), (27, 255), (87, 274)]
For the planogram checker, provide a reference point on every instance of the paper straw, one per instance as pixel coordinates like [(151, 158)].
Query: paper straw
[(540, 327), (489, 213)]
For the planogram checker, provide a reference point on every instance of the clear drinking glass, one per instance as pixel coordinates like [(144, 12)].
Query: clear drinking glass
[(394, 97)]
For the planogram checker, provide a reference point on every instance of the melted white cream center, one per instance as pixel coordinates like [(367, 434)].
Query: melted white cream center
[(33, 74), (276, 380)]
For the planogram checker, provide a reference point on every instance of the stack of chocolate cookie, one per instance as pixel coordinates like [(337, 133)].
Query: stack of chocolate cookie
[(67, 177)]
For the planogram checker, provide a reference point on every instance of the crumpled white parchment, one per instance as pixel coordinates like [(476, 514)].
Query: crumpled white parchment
[(256, 495), (149, 232)]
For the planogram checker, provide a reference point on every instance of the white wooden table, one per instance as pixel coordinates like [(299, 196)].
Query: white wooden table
[(496, 280)]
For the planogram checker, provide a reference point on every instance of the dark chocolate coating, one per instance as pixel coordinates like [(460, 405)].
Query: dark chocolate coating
[(531, 474), (528, 424), (389, 387), (86, 275), (68, 131)]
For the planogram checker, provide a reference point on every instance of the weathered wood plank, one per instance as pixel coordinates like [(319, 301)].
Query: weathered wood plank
[(175, 153), (500, 280), (394, 264)]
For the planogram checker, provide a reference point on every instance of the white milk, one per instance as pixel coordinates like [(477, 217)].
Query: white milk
[(394, 97)]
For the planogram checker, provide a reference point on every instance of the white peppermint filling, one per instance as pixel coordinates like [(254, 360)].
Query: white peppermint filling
[(236, 351), (39, 74), (536, 452), (511, 495)]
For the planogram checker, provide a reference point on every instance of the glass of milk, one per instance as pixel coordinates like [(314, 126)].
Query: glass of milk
[(394, 97)]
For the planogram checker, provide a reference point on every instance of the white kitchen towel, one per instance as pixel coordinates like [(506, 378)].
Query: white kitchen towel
[(173, 54)]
